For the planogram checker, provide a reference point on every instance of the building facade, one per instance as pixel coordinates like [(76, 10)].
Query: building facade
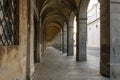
[(93, 29)]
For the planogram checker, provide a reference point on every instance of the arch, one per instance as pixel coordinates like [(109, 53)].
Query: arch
[(81, 36), (52, 34), (70, 41), (71, 4), (56, 27), (55, 18), (53, 9), (59, 14), (81, 27), (44, 5), (71, 18), (83, 8), (53, 24)]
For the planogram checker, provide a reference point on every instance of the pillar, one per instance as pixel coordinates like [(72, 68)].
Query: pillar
[(58, 41), (105, 38), (81, 35), (65, 38), (81, 39), (70, 41), (40, 37), (61, 40)]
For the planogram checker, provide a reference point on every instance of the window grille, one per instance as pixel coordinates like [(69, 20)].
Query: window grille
[(9, 22)]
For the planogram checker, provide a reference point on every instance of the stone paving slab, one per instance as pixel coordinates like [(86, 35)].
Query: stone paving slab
[(57, 66)]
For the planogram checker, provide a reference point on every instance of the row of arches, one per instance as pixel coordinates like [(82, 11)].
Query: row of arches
[(56, 17)]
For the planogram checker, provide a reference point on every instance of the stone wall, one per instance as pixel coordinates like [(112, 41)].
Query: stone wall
[(115, 39), (13, 58)]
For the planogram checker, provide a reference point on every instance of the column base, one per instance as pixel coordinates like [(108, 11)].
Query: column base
[(81, 59), (105, 69), (70, 53)]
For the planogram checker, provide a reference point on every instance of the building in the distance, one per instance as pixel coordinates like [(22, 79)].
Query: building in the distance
[(93, 29)]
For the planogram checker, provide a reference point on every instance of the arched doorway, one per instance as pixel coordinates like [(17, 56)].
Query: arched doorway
[(104, 36)]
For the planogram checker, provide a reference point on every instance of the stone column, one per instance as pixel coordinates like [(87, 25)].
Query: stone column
[(65, 38), (70, 41), (115, 39), (81, 39), (58, 41), (53, 42), (42, 39), (61, 40), (105, 38)]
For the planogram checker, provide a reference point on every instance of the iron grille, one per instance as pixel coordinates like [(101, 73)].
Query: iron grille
[(9, 22)]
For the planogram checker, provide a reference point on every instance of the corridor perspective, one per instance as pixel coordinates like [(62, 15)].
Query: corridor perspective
[(57, 66), (59, 39)]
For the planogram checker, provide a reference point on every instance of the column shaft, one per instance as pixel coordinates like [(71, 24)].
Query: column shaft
[(81, 39), (105, 39), (65, 38), (70, 41)]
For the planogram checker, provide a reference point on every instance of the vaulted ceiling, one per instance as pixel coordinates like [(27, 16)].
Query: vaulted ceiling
[(55, 13)]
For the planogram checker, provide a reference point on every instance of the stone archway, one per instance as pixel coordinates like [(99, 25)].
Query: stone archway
[(105, 35)]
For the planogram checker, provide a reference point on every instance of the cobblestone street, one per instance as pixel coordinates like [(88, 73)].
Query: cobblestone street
[(57, 66)]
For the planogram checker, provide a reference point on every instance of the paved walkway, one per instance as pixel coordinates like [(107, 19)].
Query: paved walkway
[(57, 66)]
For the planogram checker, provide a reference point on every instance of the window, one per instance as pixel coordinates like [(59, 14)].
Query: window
[(89, 29), (9, 22), (96, 26)]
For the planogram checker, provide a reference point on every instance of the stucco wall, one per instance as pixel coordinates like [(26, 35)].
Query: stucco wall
[(13, 58)]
